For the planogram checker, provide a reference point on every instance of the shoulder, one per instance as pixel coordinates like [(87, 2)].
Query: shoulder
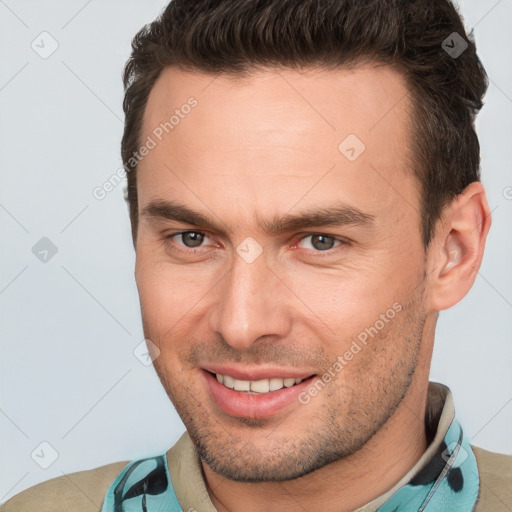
[(81, 492), (495, 471)]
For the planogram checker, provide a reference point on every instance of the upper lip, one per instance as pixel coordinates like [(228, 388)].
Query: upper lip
[(258, 373)]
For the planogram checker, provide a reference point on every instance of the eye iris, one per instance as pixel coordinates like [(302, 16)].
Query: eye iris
[(323, 245), (195, 238)]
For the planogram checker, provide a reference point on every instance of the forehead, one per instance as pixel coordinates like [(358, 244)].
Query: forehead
[(274, 135), (343, 100)]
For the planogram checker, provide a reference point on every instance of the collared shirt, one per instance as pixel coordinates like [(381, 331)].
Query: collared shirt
[(444, 478)]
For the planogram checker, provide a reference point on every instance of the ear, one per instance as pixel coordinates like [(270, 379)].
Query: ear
[(458, 247)]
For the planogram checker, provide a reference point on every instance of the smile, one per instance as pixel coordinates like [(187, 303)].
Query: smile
[(255, 396)]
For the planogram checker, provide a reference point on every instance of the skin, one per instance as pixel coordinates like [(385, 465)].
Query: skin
[(260, 147)]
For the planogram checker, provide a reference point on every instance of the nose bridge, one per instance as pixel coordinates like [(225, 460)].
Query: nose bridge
[(249, 304)]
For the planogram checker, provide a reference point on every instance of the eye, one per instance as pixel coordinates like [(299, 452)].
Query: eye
[(189, 239), (322, 243)]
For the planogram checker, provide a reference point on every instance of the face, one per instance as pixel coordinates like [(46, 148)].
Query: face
[(303, 263)]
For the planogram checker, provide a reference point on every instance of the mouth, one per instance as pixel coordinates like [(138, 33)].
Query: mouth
[(257, 397)]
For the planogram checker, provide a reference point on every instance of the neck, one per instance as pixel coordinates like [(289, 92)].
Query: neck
[(346, 484)]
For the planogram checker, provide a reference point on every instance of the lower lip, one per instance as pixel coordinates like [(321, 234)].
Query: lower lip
[(237, 403)]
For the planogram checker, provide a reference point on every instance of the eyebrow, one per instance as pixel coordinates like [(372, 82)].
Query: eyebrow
[(336, 215)]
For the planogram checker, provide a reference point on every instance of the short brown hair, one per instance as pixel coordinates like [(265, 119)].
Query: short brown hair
[(237, 36)]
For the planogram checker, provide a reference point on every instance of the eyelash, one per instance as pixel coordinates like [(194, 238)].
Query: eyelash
[(191, 250)]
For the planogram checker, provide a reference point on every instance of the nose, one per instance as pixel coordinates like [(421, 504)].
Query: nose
[(250, 303)]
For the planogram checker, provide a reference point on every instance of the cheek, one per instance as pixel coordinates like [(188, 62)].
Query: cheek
[(173, 298), (164, 297), (350, 296)]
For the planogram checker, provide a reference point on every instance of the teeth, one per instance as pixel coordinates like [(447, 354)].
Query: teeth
[(242, 385), (275, 384), (229, 382), (257, 386)]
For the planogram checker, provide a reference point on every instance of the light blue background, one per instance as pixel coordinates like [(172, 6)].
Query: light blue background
[(69, 327)]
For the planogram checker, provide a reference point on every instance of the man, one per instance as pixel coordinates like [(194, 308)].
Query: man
[(303, 183)]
